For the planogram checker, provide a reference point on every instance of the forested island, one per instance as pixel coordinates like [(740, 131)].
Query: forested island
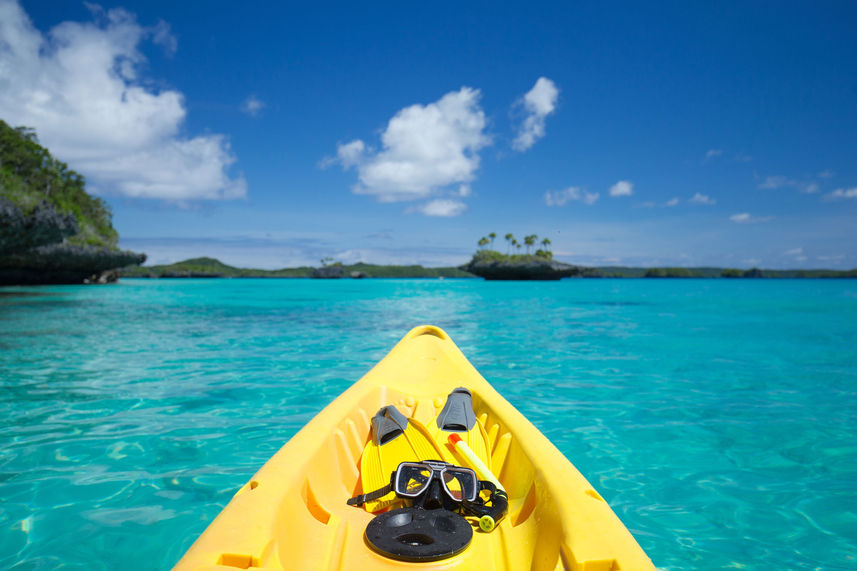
[(51, 230), (213, 268)]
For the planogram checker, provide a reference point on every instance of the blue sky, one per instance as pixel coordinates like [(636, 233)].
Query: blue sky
[(679, 133)]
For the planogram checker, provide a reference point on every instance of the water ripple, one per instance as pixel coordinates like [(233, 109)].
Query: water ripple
[(716, 417)]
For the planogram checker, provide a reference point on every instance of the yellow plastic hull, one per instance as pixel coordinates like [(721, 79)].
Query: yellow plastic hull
[(292, 514)]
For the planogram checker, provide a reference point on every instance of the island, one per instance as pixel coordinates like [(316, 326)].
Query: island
[(51, 230), (537, 266), (214, 268)]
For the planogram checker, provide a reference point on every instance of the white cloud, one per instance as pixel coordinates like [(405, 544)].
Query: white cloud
[(699, 198), (464, 190), (746, 218), (826, 174), (842, 193), (797, 254), (163, 36), (79, 87), (712, 153), (351, 153), (672, 201), (442, 207), (775, 182), (253, 106), (538, 102), (425, 149), (572, 193), (622, 188)]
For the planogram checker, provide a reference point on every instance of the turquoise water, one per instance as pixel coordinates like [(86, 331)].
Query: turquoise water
[(717, 417)]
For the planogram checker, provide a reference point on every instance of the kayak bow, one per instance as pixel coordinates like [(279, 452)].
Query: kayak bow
[(293, 514)]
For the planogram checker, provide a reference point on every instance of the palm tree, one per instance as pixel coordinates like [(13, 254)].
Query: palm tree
[(483, 241), (516, 244), (545, 243), (492, 235), (529, 241), (510, 238)]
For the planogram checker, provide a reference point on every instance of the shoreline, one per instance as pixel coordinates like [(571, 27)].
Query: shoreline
[(210, 268)]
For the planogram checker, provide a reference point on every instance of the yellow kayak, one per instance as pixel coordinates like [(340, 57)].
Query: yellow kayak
[(293, 513)]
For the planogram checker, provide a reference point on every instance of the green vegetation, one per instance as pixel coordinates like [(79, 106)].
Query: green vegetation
[(29, 175), (491, 255), (211, 267)]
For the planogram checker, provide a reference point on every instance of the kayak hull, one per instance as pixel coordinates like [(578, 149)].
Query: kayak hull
[(293, 514)]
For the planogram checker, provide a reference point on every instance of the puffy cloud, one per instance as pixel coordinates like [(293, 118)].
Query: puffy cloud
[(672, 202), (622, 188), (699, 198), (252, 106), (572, 193), (538, 102), (79, 88), (746, 218), (442, 207), (425, 149), (842, 193)]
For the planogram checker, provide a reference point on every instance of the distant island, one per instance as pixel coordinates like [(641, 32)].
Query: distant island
[(51, 230), (486, 263), (537, 263), (536, 266), (213, 268)]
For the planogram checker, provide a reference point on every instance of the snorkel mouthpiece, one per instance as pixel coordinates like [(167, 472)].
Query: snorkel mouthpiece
[(435, 498)]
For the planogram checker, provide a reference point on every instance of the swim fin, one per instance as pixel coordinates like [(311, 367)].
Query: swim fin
[(395, 439), (457, 416)]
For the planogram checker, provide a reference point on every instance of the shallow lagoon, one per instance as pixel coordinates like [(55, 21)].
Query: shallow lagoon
[(717, 417)]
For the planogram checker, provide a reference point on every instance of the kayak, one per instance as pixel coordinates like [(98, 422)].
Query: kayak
[(423, 402)]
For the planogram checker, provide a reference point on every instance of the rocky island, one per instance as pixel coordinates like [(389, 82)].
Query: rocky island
[(540, 265), (51, 230)]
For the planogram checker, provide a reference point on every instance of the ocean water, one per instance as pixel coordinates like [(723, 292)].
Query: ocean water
[(717, 417)]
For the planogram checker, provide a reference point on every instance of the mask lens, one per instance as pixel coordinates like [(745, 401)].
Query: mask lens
[(412, 480), (461, 484)]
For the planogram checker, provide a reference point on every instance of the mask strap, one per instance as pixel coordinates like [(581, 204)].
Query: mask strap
[(372, 496)]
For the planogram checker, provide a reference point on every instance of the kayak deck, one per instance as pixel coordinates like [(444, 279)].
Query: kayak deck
[(293, 512)]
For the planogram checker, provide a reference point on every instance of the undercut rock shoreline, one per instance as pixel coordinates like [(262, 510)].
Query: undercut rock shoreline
[(33, 251)]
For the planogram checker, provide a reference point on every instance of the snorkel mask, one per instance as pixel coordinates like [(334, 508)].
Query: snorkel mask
[(433, 484)]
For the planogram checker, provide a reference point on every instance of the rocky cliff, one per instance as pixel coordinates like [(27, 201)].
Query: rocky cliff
[(532, 269), (51, 229)]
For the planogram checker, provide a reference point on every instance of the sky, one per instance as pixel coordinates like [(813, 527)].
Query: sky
[(642, 134)]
